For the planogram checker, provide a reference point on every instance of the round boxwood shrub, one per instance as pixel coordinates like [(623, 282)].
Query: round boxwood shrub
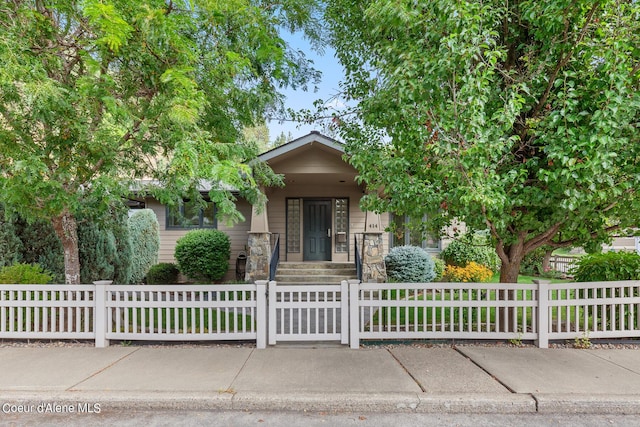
[(203, 254), (608, 266), (165, 273), (145, 242), (410, 264), (462, 252)]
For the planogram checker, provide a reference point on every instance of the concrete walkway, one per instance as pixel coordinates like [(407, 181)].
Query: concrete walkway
[(471, 379)]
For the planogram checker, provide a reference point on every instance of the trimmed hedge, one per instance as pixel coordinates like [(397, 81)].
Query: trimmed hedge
[(608, 266), (410, 264), (203, 254), (165, 273)]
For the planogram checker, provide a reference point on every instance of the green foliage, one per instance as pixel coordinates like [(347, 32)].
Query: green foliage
[(461, 252), (10, 243), (410, 264), (203, 254), (165, 273), (102, 257), (24, 274), (438, 268), (145, 241), (532, 262), (520, 117), (93, 92), (608, 266)]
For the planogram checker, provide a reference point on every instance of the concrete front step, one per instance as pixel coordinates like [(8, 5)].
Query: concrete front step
[(312, 279), (312, 265), (315, 272)]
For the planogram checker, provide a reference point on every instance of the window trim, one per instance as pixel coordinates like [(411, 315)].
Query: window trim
[(181, 207), (407, 235)]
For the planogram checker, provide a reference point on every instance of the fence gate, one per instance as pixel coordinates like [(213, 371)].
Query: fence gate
[(308, 313)]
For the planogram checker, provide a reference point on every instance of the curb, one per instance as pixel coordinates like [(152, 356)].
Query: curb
[(256, 401), (472, 403), (553, 403)]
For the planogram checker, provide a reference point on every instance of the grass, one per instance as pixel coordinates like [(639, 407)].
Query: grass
[(462, 317), (187, 320), (528, 279)]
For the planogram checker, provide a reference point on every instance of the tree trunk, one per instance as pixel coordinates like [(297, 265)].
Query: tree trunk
[(66, 229), (509, 271), (546, 261)]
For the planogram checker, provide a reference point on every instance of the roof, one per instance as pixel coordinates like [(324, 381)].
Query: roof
[(311, 138)]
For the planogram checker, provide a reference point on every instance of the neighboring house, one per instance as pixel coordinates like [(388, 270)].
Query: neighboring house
[(316, 215)]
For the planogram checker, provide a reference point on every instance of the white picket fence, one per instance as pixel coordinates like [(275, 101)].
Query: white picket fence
[(348, 312)]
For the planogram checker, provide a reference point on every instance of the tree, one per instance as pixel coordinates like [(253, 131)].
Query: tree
[(96, 95), (520, 117), (282, 139)]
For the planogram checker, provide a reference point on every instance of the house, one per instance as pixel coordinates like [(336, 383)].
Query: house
[(314, 217)]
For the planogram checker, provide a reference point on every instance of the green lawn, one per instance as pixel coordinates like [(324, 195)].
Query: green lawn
[(189, 320), (528, 279)]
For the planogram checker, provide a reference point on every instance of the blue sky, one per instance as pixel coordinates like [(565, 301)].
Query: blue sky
[(332, 73)]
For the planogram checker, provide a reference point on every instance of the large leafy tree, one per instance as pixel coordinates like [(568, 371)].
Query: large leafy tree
[(520, 116), (96, 95)]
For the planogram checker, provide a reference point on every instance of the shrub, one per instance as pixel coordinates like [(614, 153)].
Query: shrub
[(608, 266), (532, 262), (24, 274), (410, 264), (145, 242), (462, 252), (472, 272), (10, 243), (203, 254), (438, 267), (165, 273)]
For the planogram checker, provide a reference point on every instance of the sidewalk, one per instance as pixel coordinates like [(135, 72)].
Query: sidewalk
[(469, 379)]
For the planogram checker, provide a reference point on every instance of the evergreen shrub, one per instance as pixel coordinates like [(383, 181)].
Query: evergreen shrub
[(410, 264), (608, 266), (24, 274), (165, 273), (203, 254), (145, 242)]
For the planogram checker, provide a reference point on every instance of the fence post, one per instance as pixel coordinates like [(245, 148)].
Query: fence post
[(100, 326), (271, 309), (543, 313), (354, 308), (261, 313), (344, 312)]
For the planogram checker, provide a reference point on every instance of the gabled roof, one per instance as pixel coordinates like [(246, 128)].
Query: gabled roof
[(311, 138)]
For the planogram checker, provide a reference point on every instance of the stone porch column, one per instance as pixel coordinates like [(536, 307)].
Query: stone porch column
[(373, 268), (259, 245)]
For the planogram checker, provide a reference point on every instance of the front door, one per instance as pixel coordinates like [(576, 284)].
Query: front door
[(317, 230)]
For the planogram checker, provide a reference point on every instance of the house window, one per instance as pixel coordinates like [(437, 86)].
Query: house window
[(410, 231), (293, 225), (341, 209), (190, 214)]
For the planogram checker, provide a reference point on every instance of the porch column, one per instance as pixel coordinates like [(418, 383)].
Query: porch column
[(259, 245), (373, 268)]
